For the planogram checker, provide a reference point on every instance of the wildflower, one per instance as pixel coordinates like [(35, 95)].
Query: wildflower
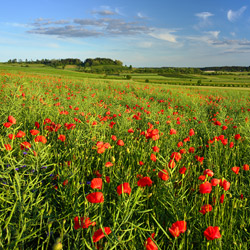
[(171, 163), (222, 198), (96, 197), (7, 147), (155, 149), (163, 175), (85, 222), (120, 143), (246, 167), (206, 208), (191, 132), (124, 188), (11, 119), (205, 188), (99, 234), (215, 182), (96, 183), (61, 138), (177, 228), (208, 172), (150, 245), (172, 131), (34, 132), (108, 164), (212, 233), (144, 181), (182, 170), (20, 134), (153, 157), (41, 138), (236, 170), (237, 137)]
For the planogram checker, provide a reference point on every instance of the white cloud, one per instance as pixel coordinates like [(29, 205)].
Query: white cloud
[(214, 34), (203, 19), (141, 16), (164, 34), (232, 16), (204, 15)]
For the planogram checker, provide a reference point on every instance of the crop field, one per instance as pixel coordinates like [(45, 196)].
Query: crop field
[(114, 164)]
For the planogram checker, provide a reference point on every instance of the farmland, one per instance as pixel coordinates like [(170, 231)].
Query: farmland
[(154, 166)]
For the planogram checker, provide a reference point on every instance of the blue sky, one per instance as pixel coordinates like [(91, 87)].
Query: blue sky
[(180, 33)]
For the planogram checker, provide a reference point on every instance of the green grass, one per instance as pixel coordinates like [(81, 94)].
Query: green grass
[(44, 187)]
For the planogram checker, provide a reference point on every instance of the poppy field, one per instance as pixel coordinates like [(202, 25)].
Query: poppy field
[(112, 164)]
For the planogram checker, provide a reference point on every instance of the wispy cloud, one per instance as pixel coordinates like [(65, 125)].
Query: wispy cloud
[(203, 19), (88, 27), (141, 15), (232, 16), (164, 34), (204, 15)]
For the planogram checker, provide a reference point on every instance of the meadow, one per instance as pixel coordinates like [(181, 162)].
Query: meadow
[(117, 164)]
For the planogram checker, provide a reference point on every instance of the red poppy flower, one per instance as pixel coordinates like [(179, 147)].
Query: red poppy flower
[(113, 137), (37, 125), (212, 233), (108, 164), (176, 156), (25, 145), (20, 134), (222, 198), (171, 163), (141, 163), (183, 151), (202, 177), (246, 167), (85, 222), (61, 138), (96, 197), (155, 149), (191, 150), (205, 188), (41, 138), (11, 119), (7, 147), (120, 143), (172, 131), (225, 184), (99, 234), (182, 170), (217, 123), (153, 157), (215, 182), (208, 172), (124, 188), (163, 175), (150, 245), (131, 130), (191, 132), (237, 137), (236, 170), (11, 136), (7, 124), (96, 183), (180, 144), (206, 208), (34, 132), (177, 228), (107, 179), (231, 145), (224, 127), (144, 181)]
